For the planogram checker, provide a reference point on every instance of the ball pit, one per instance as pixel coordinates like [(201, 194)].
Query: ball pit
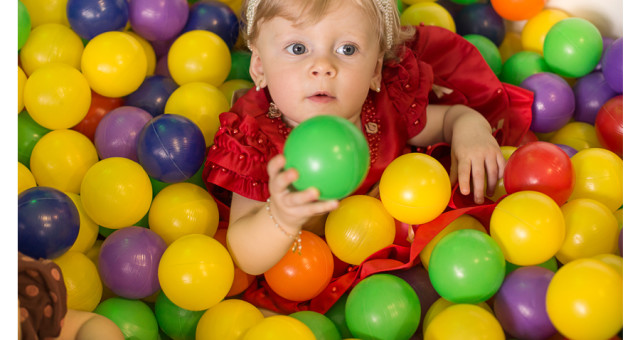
[(216, 17), (553, 101), (572, 47), (90, 18), (481, 19), (522, 65), (281, 327), (608, 125), (321, 326), (134, 317), (199, 56), (428, 13), (598, 176), (464, 321), (592, 91), (228, 319), (158, 20), (488, 50)]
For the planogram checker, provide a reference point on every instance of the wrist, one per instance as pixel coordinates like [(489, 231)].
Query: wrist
[(294, 236)]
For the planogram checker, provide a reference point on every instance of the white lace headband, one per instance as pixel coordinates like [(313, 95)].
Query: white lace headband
[(385, 7)]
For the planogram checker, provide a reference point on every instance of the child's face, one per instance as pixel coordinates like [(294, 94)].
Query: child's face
[(325, 67)]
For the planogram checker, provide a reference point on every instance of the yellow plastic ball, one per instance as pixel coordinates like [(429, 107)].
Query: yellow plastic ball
[(463, 222), (358, 228), (428, 13), (195, 272), (88, 233), (199, 56), (51, 43), (612, 260), (464, 321), (500, 190), (114, 63), (61, 158), (202, 103), (229, 319), (82, 280), (47, 11), (232, 85), (57, 96), (528, 226), (415, 188), (536, 28), (507, 151), (22, 79), (619, 214), (598, 176), (149, 52), (181, 209), (584, 300), (279, 327), (578, 135), (511, 44), (25, 178), (116, 192), (591, 230), (441, 304)]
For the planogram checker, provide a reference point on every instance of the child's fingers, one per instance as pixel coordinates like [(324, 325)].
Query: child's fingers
[(478, 174), (463, 172)]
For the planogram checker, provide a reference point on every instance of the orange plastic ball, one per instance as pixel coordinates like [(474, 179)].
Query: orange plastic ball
[(302, 276), (516, 10), (415, 188)]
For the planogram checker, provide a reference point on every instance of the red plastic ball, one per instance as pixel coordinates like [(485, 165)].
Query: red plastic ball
[(100, 106), (609, 125), (543, 167)]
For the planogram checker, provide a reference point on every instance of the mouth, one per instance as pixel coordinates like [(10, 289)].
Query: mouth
[(321, 97)]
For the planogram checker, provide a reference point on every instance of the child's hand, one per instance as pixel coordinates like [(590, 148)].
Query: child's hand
[(292, 209), (475, 155)]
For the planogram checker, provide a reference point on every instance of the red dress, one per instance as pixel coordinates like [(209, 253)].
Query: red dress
[(437, 66)]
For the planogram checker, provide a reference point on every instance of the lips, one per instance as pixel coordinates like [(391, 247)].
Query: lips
[(321, 97)]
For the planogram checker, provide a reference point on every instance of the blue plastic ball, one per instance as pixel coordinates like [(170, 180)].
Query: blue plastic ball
[(152, 94), (481, 19), (216, 17), (171, 148), (89, 18), (48, 222)]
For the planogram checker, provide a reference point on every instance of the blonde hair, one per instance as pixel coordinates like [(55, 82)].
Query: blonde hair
[(383, 13)]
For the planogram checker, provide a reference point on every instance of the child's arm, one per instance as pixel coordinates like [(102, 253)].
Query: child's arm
[(82, 325), (475, 153), (253, 239)]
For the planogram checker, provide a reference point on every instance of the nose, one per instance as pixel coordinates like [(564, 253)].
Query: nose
[(323, 67)]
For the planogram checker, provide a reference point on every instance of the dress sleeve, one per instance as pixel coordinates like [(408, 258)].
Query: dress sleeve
[(237, 160), (462, 76)]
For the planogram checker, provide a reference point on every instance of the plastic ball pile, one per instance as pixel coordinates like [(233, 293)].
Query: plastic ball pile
[(118, 102)]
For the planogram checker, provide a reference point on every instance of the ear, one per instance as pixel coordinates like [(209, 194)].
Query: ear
[(376, 78), (256, 70)]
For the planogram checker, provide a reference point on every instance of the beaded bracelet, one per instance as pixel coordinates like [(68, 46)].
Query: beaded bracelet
[(297, 240)]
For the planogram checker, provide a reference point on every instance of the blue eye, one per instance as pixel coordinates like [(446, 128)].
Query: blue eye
[(297, 49), (347, 49)]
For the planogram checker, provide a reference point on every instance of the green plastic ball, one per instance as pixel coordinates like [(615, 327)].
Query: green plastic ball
[(467, 266), (321, 326), (336, 314), (134, 318), (572, 47), (489, 51), (24, 24), (29, 133), (382, 306), (176, 322), (521, 65), (240, 61), (330, 153)]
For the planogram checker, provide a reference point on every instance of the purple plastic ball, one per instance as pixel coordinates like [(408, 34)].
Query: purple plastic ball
[(591, 92), (553, 101), (117, 132), (128, 262), (158, 19), (567, 149), (612, 65), (606, 42), (520, 304)]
